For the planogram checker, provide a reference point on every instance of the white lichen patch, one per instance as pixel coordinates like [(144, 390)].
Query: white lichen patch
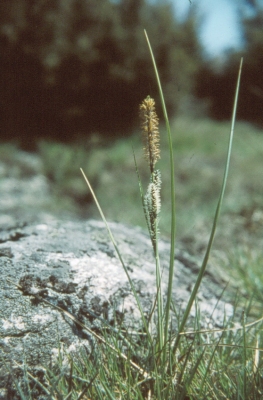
[(42, 227), (14, 322), (102, 272), (41, 318)]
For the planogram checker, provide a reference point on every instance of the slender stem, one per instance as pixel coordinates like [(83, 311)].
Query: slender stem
[(212, 235), (159, 293), (118, 253), (173, 227)]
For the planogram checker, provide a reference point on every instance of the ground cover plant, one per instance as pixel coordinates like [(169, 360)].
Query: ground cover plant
[(199, 364)]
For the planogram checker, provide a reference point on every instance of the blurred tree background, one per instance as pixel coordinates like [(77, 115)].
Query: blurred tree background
[(72, 76), (75, 67), (216, 80), (72, 67)]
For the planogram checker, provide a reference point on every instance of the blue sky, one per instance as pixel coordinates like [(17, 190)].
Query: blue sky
[(220, 28)]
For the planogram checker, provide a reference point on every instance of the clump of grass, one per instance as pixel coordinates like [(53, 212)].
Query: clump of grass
[(198, 364), (180, 367)]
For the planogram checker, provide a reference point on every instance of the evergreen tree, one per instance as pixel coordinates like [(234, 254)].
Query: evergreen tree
[(75, 66), (216, 81)]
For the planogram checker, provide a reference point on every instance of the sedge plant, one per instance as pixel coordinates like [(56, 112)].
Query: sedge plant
[(168, 366), (165, 350), (152, 199)]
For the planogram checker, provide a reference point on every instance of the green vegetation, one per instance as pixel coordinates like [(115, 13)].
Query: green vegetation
[(198, 364), (216, 79), (207, 364), (67, 68), (200, 152)]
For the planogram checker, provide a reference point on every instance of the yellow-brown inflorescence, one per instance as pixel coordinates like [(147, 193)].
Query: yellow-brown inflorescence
[(150, 131), (152, 198)]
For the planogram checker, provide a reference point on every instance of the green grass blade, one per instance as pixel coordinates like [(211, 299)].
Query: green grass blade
[(207, 368), (212, 235), (159, 297), (86, 388), (138, 176), (172, 250), (141, 193), (118, 253), (191, 376), (244, 359)]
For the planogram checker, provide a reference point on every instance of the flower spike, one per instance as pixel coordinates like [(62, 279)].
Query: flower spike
[(150, 131)]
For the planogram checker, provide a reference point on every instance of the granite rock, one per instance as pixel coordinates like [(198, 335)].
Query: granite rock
[(56, 269)]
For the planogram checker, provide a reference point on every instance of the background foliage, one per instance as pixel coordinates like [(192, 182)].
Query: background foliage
[(76, 66), (217, 80)]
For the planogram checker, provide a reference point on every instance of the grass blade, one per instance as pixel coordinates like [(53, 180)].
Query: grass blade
[(212, 235), (118, 253), (244, 359), (191, 376), (172, 179)]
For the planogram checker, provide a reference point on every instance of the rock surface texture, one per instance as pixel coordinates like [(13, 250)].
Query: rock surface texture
[(72, 266)]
